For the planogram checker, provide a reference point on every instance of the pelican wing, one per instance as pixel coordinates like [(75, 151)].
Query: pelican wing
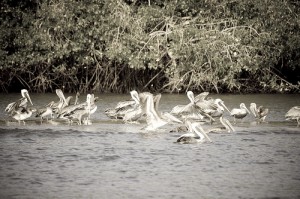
[(10, 107), (133, 114), (253, 109), (171, 117), (124, 104), (201, 97), (293, 113), (207, 105), (182, 109), (237, 111)]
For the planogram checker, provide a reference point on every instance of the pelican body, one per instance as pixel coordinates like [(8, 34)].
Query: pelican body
[(20, 104), (212, 107), (78, 111), (124, 107), (22, 114), (191, 110), (294, 114), (239, 113), (260, 113)]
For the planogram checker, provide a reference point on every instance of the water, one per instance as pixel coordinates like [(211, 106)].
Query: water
[(109, 159)]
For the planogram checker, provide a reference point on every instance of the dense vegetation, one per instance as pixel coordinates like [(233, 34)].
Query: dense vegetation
[(155, 45)]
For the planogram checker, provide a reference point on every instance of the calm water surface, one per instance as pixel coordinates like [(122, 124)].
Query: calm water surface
[(109, 159)]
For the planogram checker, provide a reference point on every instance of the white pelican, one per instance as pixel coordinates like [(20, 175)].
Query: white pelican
[(67, 108), (92, 109), (226, 126), (21, 103), (22, 114), (135, 112), (196, 134), (213, 107), (239, 113), (57, 106), (78, 113), (180, 109), (294, 114), (124, 106), (192, 110), (153, 119), (260, 113)]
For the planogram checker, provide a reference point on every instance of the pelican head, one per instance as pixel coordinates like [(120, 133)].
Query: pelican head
[(221, 105), (135, 96), (191, 96), (25, 94), (61, 95), (243, 106)]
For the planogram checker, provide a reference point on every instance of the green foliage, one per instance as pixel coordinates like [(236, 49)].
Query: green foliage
[(116, 46)]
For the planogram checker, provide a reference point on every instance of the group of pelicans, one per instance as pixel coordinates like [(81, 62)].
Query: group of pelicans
[(63, 109), (144, 107)]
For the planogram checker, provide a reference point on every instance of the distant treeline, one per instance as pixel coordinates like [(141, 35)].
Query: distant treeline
[(150, 45)]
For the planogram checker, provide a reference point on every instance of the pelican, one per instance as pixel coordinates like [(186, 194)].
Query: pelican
[(68, 111), (66, 107), (226, 126), (135, 112), (92, 109), (191, 110), (179, 109), (93, 105), (44, 112), (79, 112), (153, 119), (213, 107), (196, 134), (260, 113), (57, 106), (124, 106), (239, 113), (21, 103), (294, 114), (22, 114)]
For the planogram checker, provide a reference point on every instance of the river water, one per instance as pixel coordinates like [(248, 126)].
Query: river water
[(110, 159)]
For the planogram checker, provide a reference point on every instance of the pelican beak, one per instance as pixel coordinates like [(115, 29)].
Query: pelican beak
[(222, 103), (247, 110), (204, 133), (230, 126), (28, 97)]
